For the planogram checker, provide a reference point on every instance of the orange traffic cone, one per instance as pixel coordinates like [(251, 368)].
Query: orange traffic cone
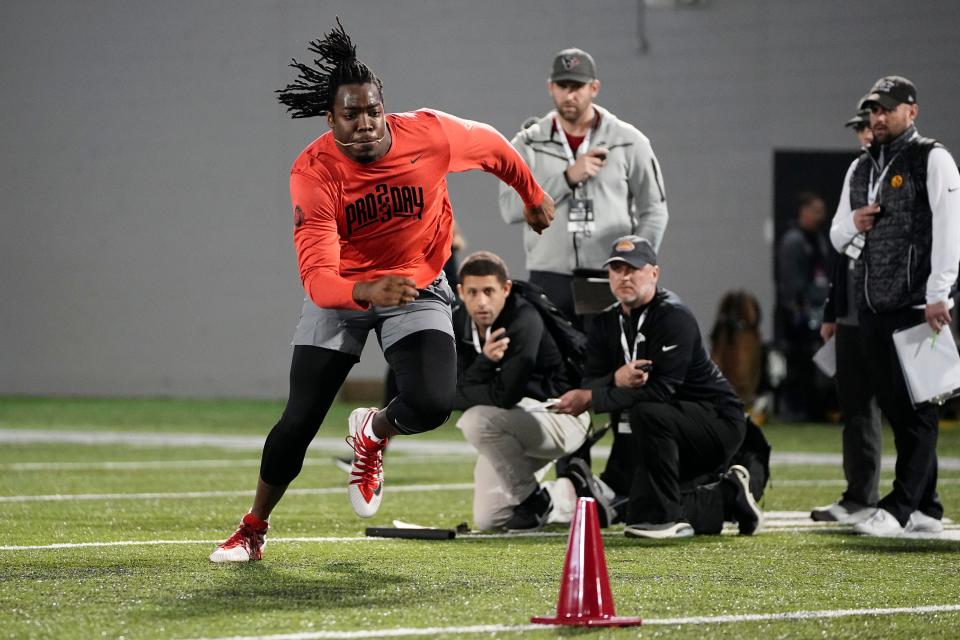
[(585, 598)]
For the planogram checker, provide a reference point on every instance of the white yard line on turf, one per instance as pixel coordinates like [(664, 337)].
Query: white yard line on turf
[(320, 491), (127, 465), (221, 441), (693, 620), (843, 483), (412, 445), (951, 533), (271, 540), (403, 488)]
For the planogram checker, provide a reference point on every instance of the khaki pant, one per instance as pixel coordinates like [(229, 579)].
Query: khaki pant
[(513, 444)]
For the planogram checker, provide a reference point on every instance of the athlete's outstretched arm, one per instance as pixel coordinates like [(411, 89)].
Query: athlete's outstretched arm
[(475, 145)]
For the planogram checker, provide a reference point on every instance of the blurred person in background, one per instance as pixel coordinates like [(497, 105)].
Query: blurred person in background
[(858, 406), (802, 287)]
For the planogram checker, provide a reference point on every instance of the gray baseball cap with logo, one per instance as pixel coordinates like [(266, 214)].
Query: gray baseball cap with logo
[(634, 250), (573, 65)]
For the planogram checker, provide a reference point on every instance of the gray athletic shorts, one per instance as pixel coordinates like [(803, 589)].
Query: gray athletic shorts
[(346, 330)]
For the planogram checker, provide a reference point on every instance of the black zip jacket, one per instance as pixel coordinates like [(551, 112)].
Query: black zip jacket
[(682, 370), (532, 366)]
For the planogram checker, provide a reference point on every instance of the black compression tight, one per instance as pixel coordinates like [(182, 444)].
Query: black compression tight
[(425, 366), (316, 375)]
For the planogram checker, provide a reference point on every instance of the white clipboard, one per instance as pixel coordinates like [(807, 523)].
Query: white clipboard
[(826, 357), (930, 363)]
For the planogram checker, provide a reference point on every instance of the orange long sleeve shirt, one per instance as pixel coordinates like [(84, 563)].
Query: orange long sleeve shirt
[(355, 221)]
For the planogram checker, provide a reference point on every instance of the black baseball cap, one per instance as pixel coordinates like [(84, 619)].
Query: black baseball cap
[(890, 91), (573, 65), (861, 119), (634, 250)]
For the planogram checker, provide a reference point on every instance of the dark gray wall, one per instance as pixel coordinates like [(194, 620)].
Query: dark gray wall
[(145, 244)]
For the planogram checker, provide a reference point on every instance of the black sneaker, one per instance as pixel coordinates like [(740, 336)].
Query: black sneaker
[(531, 514), (743, 507), (587, 486)]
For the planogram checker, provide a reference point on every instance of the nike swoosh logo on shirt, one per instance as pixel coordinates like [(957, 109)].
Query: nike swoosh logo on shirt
[(669, 347), (414, 161), (949, 190)]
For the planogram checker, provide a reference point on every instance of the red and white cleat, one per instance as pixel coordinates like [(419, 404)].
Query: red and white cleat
[(246, 543), (365, 487)]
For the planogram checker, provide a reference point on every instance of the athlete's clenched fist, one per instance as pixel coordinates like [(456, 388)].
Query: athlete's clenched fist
[(539, 218), (386, 291)]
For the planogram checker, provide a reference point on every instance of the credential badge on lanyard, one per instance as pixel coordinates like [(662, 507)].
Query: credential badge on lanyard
[(580, 217), (629, 355), (476, 337)]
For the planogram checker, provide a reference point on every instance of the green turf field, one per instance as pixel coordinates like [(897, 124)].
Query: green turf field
[(172, 477)]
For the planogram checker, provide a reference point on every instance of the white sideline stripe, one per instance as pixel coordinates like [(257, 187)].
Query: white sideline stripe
[(151, 543), (951, 533), (804, 615), (843, 483), (412, 445), (221, 441), (197, 464), (797, 458), (693, 620), (127, 465), (409, 488), (404, 488), (272, 540)]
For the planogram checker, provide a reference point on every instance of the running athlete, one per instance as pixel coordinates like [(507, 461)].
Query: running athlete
[(372, 223)]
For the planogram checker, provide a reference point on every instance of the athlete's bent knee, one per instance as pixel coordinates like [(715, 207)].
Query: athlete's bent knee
[(419, 414)]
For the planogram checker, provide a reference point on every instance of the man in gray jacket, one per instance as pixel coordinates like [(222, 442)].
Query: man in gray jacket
[(601, 172)]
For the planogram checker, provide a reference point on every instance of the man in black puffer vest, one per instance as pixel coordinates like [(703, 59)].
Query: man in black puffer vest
[(899, 220)]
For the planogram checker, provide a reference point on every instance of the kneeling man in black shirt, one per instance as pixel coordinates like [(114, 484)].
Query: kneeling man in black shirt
[(679, 420)]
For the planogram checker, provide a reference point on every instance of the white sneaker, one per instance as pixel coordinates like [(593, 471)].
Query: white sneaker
[(920, 522), (881, 524), (246, 544), (858, 516), (836, 512), (564, 498), (658, 531), (365, 487)]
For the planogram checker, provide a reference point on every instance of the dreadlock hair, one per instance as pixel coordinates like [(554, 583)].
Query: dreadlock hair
[(314, 90)]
